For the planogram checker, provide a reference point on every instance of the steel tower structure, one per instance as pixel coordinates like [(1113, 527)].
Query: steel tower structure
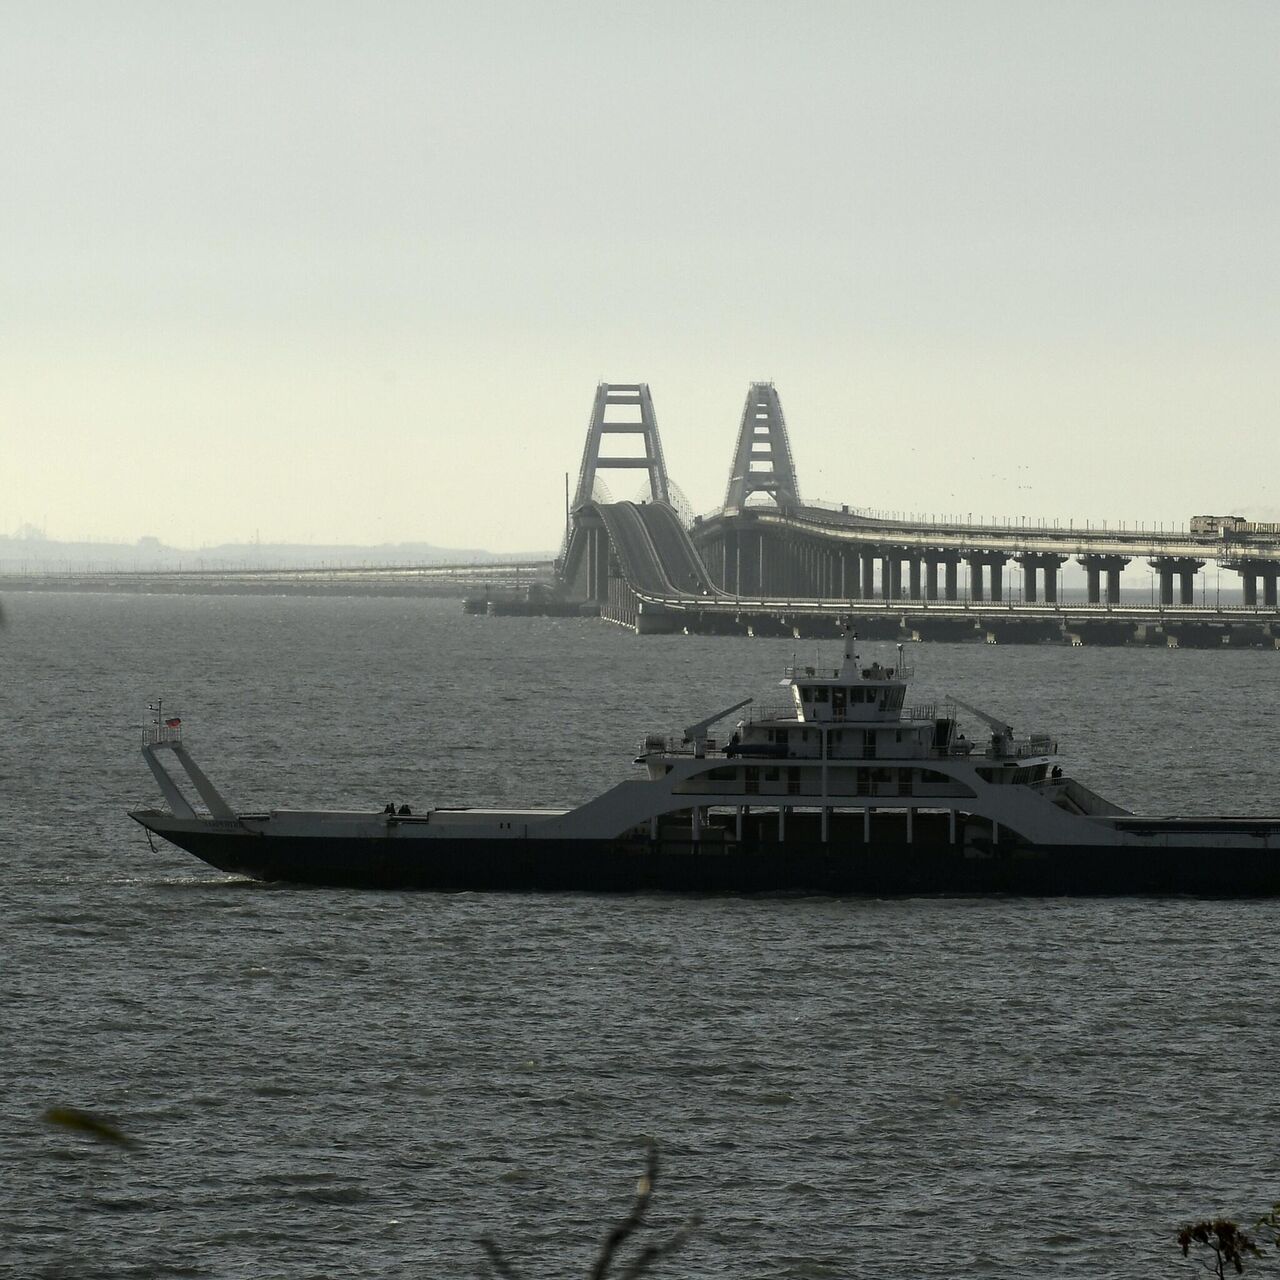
[(762, 461), (630, 395)]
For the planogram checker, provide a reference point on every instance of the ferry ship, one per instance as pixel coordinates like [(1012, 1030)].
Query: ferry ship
[(846, 789)]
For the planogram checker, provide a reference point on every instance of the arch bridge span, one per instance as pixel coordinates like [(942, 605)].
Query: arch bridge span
[(767, 559)]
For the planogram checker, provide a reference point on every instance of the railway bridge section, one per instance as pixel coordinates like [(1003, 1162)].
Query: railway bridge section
[(767, 562)]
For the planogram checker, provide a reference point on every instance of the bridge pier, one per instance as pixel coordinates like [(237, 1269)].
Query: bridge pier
[(913, 567), (868, 575), (892, 577), (993, 562), (1094, 566), (733, 568), (1049, 563), (850, 577), (950, 560), (750, 563), (1250, 571), (1186, 569), (975, 577)]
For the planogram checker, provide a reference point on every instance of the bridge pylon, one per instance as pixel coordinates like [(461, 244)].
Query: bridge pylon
[(762, 461), (624, 399)]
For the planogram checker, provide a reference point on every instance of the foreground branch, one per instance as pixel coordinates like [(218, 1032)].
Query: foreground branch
[(618, 1235)]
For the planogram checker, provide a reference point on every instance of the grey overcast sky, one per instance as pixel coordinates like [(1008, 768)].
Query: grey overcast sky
[(350, 272)]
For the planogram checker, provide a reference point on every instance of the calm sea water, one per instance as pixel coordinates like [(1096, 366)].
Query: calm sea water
[(340, 1084)]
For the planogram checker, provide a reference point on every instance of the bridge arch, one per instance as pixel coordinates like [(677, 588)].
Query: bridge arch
[(623, 409), (762, 461)]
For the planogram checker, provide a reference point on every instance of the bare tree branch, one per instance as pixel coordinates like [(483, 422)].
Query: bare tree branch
[(644, 1192), (619, 1234), (496, 1256), (652, 1253)]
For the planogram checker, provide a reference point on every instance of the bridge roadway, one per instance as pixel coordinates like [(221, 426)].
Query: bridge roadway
[(1012, 539), (653, 559), (651, 547)]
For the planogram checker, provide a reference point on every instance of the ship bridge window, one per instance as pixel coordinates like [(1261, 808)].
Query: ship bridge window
[(821, 694)]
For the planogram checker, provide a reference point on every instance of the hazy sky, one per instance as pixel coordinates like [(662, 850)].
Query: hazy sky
[(350, 272)]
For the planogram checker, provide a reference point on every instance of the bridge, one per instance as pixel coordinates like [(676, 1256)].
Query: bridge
[(767, 562)]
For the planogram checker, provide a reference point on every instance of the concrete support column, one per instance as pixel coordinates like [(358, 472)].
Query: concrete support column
[(1095, 566), (997, 577), (951, 587), (895, 577), (975, 578), (1051, 564), (913, 566), (930, 579), (1186, 568), (886, 580), (599, 549), (750, 554), (853, 582), (868, 575), (1029, 566), (1250, 571)]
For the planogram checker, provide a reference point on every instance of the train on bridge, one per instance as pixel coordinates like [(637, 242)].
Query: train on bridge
[(1233, 527)]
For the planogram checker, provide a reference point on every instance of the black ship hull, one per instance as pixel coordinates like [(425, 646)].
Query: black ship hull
[(643, 866)]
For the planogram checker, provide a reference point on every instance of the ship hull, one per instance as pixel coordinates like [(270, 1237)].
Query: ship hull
[(641, 866)]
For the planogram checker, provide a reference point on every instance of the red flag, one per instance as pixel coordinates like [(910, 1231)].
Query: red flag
[(173, 723)]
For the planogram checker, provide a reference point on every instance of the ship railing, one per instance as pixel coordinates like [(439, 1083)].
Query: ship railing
[(779, 711), (154, 734), (852, 717), (662, 744), (1037, 744), (800, 671)]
